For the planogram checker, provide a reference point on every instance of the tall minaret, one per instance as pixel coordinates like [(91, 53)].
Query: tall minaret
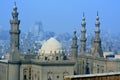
[(83, 36), (14, 35), (97, 40), (14, 61), (74, 46)]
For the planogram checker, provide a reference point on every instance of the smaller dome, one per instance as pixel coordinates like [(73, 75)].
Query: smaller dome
[(51, 46)]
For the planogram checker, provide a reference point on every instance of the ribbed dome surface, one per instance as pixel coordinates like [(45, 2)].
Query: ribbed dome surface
[(50, 46)]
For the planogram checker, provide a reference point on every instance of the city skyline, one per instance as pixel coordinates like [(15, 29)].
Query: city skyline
[(62, 16)]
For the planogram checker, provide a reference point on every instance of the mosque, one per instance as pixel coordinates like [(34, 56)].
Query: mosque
[(52, 62)]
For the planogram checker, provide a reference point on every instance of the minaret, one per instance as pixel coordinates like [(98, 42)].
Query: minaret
[(97, 40), (14, 61), (74, 46), (14, 35), (83, 36)]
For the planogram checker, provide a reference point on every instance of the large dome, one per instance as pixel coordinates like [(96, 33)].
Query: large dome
[(51, 46)]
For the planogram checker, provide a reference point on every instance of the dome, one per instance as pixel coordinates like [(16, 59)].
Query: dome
[(51, 46)]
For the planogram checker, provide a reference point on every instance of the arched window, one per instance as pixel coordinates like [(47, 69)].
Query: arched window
[(25, 77), (65, 74), (83, 67), (57, 58), (102, 67), (29, 73), (57, 77), (50, 76), (25, 74), (97, 68), (64, 57), (46, 58), (87, 69)]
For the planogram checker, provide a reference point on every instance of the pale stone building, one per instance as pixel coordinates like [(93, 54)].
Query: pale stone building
[(52, 62)]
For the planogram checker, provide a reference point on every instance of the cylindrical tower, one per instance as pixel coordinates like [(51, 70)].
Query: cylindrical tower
[(97, 40), (14, 35), (83, 36), (74, 46), (14, 61)]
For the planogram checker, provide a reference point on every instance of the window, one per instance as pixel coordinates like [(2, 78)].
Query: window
[(45, 58), (50, 76), (102, 71), (25, 74), (97, 68), (102, 67), (57, 77), (25, 78), (87, 69), (65, 74), (29, 73), (83, 66), (57, 58)]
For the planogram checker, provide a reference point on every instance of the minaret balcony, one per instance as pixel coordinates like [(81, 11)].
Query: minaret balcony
[(83, 39), (97, 31), (83, 31), (15, 21), (97, 40), (74, 46), (14, 14), (14, 32)]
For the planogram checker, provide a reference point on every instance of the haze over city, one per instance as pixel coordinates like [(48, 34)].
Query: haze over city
[(41, 43), (62, 15)]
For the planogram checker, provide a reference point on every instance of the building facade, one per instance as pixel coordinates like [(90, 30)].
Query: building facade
[(52, 62)]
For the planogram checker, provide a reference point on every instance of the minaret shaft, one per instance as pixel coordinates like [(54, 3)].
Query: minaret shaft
[(97, 40), (14, 36), (74, 46), (83, 36)]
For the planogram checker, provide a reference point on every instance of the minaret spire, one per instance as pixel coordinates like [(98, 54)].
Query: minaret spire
[(83, 37), (97, 13), (83, 14), (74, 46), (97, 40), (15, 3), (14, 35)]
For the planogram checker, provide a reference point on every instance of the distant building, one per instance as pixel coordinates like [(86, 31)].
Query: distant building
[(117, 56), (109, 54), (52, 62), (37, 29)]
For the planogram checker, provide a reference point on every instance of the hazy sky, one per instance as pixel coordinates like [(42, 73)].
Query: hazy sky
[(62, 15)]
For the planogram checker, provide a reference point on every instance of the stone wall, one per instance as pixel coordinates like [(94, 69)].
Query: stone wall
[(105, 76), (3, 71), (56, 72), (44, 71)]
